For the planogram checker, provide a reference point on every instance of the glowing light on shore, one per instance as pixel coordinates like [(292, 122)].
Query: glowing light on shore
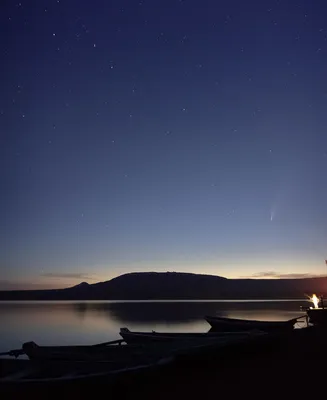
[(315, 301)]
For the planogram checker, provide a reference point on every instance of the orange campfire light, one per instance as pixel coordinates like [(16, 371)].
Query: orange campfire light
[(315, 301)]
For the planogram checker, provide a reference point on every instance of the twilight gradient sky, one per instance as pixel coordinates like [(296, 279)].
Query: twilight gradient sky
[(180, 135)]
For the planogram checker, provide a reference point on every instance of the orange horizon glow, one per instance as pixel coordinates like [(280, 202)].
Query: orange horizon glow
[(55, 282)]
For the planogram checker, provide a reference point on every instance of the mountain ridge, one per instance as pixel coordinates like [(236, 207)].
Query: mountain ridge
[(176, 286)]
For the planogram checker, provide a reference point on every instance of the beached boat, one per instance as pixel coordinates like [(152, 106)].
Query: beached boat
[(111, 351), (75, 367), (82, 353), (136, 345), (22, 375), (236, 325), (51, 367), (98, 352), (131, 337)]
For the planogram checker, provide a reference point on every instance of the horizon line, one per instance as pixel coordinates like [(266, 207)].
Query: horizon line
[(267, 275)]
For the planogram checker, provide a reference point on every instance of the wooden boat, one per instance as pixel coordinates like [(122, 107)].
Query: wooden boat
[(75, 367), (22, 375), (137, 345), (81, 353), (111, 351), (231, 324), (70, 376), (179, 338)]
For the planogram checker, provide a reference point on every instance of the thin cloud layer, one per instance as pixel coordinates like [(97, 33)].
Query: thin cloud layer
[(15, 285), (67, 275), (278, 275)]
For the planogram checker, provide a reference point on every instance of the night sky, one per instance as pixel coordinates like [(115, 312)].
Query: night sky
[(162, 135)]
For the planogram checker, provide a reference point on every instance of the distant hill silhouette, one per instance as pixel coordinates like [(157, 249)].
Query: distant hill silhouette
[(173, 285)]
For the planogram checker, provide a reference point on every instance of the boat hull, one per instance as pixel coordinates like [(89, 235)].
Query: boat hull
[(236, 325), (31, 376), (177, 338), (81, 353)]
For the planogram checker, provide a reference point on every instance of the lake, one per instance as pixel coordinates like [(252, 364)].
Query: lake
[(88, 322)]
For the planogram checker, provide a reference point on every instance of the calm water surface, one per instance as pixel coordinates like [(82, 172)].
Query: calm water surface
[(63, 322)]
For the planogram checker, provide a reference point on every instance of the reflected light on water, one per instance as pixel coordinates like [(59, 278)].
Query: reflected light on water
[(55, 323)]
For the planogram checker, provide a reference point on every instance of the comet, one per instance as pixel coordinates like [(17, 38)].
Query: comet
[(272, 214)]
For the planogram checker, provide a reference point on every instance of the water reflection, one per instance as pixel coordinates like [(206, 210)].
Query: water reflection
[(187, 312), (145, 313), (91, 322)]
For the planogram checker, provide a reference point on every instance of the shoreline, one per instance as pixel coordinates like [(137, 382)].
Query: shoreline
[(268, 300), (276, 366)]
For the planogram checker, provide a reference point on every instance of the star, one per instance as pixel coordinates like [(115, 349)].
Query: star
[(198, 70)]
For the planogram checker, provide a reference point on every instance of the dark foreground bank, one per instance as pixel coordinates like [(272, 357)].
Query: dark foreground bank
[(291, 366), (282, 366)]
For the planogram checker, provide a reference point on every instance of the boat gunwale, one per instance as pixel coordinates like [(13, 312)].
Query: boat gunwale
[(69, 378), (236, 321)]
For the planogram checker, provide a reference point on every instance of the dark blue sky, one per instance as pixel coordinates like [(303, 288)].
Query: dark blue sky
[(162, 135)]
